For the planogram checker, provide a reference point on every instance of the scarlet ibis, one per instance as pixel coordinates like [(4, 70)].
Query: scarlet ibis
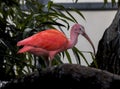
[(50, 42)]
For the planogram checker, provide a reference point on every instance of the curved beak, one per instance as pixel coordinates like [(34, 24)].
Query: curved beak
[(89, 40)]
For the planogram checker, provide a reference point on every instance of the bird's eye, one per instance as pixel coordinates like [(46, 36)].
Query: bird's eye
[(82, 28)]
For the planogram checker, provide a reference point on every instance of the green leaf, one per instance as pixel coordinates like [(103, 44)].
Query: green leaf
[(64, 9), (81, 54), (68, 57), (53, 23), (26, 32), (94, 60), (71, 16), (78, 12), (1, 41), (58, 59), (61, 14), (76, 54), (49, 5)]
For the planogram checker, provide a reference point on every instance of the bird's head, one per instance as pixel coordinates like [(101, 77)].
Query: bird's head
[(79, 29)]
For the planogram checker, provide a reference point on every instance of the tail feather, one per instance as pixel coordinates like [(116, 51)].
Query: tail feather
[(24, 42), (24, 49), (19, 43)]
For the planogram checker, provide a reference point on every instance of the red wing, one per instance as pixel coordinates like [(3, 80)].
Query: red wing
[(49, 40)]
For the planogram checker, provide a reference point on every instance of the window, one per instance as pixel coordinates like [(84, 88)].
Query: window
[(87, 4)]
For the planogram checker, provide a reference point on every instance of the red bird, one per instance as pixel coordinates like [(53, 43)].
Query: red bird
[(51, 41)]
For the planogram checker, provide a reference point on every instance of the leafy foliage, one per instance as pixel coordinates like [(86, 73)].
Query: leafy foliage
[(20, 19), (113, 2)]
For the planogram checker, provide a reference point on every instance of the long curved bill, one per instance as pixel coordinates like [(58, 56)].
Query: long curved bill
[(87, 37)]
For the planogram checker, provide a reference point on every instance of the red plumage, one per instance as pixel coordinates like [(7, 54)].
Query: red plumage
[(49, 39)]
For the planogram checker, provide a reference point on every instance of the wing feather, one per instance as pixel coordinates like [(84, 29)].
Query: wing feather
[(49, 39)]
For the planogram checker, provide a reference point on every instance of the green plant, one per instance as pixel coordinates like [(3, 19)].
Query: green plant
[(18, 23)]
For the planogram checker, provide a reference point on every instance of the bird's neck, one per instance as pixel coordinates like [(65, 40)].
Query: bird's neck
[(73, 40)]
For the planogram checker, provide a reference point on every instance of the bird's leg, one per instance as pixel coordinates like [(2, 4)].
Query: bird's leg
[(51, 57), (50, 63)]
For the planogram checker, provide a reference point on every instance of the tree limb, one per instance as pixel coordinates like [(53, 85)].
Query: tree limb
[(67, 76)]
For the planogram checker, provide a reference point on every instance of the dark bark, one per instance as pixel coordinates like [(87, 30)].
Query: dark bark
[(108, 54), (67, 76)]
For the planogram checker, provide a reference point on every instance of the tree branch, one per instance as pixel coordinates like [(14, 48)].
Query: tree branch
[(67, 76)]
